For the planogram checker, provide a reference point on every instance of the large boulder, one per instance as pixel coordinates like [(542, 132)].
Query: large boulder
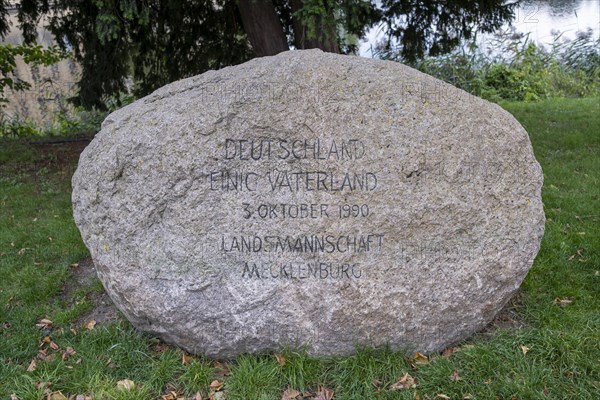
[(310, 199)]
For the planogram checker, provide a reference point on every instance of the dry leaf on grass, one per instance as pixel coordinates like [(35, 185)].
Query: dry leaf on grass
[(126, 384), (56, 396), (172, 395), (420, 358), (405, 382), (186, 359), (32, 366), (221, 370), (280, 359), (44, 323), (90, 325), (449, 351), (524, 349), (42, 354), (455, 377), (216, 385), (290, 394), (441, 396), (562, 302), (324, 394), (68, 353), (42, 385)]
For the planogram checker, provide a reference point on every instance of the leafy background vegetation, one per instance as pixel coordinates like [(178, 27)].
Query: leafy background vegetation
[(516, 69)]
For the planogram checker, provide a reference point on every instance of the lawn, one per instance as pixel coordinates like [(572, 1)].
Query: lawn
[(547, 346)]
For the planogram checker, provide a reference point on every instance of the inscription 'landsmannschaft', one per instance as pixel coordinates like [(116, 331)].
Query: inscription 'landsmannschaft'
[(284, 149), (302, 244)]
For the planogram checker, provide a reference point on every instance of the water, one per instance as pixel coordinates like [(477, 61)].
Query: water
[(541, 19)]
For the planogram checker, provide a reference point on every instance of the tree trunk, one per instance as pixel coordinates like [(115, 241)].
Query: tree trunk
[(263, 27), (326, 34)]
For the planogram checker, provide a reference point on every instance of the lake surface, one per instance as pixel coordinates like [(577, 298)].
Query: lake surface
[(541, 19)]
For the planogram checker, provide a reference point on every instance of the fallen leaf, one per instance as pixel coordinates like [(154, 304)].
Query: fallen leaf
[(441, 396), (68, 353), (562, 302), (126, 384), (323, 394), (455, 377), (54, 346), (44, 324), (449, 351), (172, 395), (420, 358), (290, 394), (13, 397), (222, 370), (216, 385), (42, 385), (377, 383), (75, 265), (159, 347), (56, 396), (468, 397), (90, 325), (487, 381), (186, 359), (42, 354), (405, 382), (280, 359), (524, 349), (32, 366)]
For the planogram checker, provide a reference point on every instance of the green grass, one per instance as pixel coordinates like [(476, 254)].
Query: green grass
[(39, 242)]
